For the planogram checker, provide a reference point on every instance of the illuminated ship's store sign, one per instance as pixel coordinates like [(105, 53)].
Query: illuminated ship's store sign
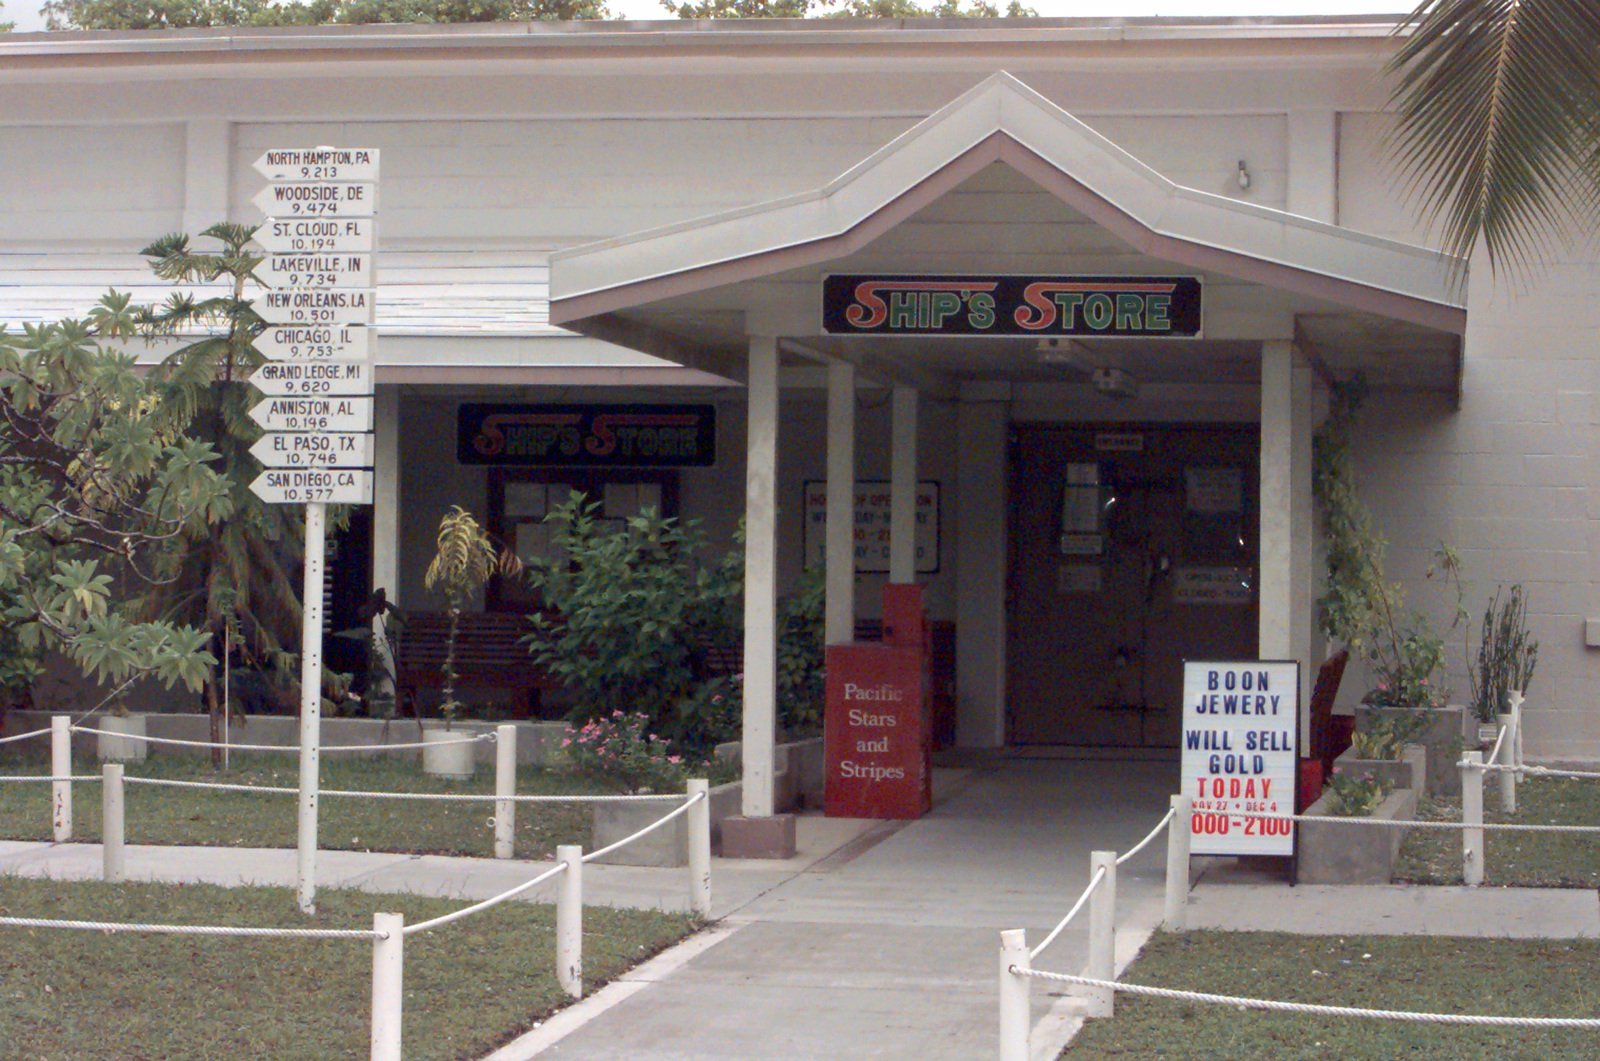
[(588, 436), (1104, 306)]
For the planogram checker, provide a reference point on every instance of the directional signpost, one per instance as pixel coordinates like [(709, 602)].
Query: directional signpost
[(319, 236)]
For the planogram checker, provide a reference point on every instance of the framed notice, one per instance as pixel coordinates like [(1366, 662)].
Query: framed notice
[(1240, 724), (871, 526)]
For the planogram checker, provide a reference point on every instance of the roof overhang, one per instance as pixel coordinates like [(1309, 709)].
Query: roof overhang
[(1001, 120)]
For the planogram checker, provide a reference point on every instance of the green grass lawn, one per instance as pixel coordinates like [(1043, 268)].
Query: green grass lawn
[(469, 986), (248, 819), (1544, 860), (1545, 978)]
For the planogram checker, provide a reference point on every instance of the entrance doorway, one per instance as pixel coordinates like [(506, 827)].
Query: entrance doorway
[(1132, 548)]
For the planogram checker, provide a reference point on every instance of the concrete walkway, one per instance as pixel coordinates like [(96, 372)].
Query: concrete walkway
[(879, 939)]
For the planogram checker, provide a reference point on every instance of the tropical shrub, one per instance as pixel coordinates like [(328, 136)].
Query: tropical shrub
[(1507, 655), (621, 747), (1354, 796)]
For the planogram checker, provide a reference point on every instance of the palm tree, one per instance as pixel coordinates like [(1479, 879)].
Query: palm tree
[(1499, 122)]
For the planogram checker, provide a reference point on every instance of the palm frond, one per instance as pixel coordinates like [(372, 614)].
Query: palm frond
[(1497, 104)]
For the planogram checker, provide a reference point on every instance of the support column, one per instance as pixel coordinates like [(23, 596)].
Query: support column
[(1274, 640), (1286, 526), (1302, 542), (758, 832), (839, 611), (386, 492), (903, 487), (980, 549)]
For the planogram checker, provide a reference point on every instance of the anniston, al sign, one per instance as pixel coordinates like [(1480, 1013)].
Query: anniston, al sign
[(314, 414), (1036, 306)]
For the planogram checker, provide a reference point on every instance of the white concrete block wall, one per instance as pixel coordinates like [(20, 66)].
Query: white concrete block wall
[(1372, 195), (1511, 481), (108, 186)]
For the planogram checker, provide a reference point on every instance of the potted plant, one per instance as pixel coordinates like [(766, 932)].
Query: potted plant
[(1507, 655), (466, 559)]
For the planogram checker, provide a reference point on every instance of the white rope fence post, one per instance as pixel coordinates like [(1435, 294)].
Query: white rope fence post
[(1507, 778), (1516, 698), (1472, 819), (569, 921), (1103, 933), (1175, 914), (111, 822), (505, 785), (61, 767), (699, 838), (388, 980), (1016, 1015)]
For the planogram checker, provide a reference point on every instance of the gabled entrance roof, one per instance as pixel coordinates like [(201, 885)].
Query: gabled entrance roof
[(1002, 120)]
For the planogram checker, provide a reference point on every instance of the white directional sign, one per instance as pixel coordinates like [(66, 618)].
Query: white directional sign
[(314, 414), (338, 486), (313, 342), (316, 235), (318, 164), (306, 378), (317, 199), (301, 306), (336, 449), (323, 272)]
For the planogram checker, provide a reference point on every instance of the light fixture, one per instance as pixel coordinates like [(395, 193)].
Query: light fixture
[(1244, 175), (1066, 352)]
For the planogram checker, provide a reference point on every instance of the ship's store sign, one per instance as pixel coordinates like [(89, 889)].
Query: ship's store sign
[(588, 436), (1038, 306)]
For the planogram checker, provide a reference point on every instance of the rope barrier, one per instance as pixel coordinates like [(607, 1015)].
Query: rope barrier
[(1538, 771), (1166, 819), (473, 797), (1419, 824), (46, 777), (1094, 882), (467, 911), (194, 930), (1313, 1009), (25, 736), (486, 737), (658, 823)]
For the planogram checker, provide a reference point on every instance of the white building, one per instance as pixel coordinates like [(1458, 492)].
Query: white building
[(521, 163)]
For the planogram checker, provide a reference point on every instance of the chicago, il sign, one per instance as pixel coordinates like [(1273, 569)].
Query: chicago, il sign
[(1037, 306)]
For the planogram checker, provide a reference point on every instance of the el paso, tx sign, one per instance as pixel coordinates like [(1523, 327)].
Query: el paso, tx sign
[(1036, 306), (1240, 722)]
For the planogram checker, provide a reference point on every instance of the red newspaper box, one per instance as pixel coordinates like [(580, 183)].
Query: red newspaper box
[(876, 726)]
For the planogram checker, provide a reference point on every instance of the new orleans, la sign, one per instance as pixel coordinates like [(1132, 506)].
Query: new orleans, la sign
[(1038, 306)]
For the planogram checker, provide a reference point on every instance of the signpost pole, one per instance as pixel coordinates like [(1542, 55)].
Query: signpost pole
[(311, 702)]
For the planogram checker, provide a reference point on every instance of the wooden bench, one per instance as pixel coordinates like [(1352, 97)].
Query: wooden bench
[(490, 654)]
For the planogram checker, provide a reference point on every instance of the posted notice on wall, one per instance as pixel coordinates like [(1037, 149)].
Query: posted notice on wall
[(1240, 725)]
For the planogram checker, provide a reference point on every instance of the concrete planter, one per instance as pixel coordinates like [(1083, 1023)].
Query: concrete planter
[(1336, 853), (801, 771), (448, 753), (1408, 771), (1446, 732), (120, 749), (668, 845)]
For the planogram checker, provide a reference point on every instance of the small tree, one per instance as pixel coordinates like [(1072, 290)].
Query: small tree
[(230, 579), (97, 485), (466, 559)]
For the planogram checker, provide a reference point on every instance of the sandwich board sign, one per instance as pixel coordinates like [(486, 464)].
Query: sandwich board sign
[(1240, 728)]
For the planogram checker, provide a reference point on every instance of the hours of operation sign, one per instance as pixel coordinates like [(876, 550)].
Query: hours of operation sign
[(1240, 722)]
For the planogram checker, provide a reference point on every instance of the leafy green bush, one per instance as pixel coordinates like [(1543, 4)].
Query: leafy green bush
[(633, 619), (1353, 796)]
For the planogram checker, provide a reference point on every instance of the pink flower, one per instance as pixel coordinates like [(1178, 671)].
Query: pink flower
[(674, 759), (566, 742)]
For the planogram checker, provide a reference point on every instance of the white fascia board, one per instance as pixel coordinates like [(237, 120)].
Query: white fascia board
[(1002, 104)]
